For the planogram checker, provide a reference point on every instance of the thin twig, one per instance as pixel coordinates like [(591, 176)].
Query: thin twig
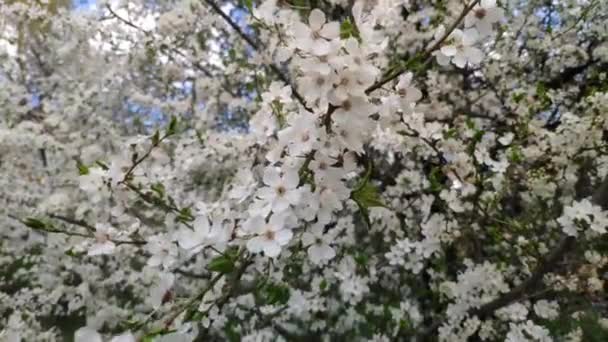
[(427, 54), (275, 69)]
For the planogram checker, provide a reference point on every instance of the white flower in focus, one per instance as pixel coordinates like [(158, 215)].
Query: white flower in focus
[(409, 94), (243, 186), (322, 167), (315, 87), (281, 188), (583, 213), (277, 91), (160, 292), (163, 251), (315, 37), (194, 240), (319, 249), (460, 49), (350, 131), (357, 60), (269, 236), (116, 172), (103, 240), (483, 16), (546, 309), (301, 135)]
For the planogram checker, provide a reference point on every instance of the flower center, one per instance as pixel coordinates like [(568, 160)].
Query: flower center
[(269, 235), (320, 81), (323, 165), (281, 190), (305, 137), (102, 237), (481, 13), (347, 105)]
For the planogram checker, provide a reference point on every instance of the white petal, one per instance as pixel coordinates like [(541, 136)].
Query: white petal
[(301, 31), (449, 50), (101, 248), (470, 20), (266, 193), (127, 337), (272, 249), (254, 224), (86, 334), (256, 244), (271, 176), (488, 3), (321, 47), (331, 30), (470, 37), (316, 19), (474, 55), (459, 60), (308, 238), (283, 236), (280, 205)]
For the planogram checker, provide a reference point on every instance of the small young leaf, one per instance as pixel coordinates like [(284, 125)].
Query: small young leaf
[(221, 264), (172, 129), (82, 169), (156, 138), (34, 223)]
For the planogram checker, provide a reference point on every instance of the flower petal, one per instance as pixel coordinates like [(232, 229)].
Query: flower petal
[(316, 19)]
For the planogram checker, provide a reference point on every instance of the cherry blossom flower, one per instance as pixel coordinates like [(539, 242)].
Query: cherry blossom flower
[(483, 16), (301, 136), (160, 291), (103, 240), (277, 91), (460, 49), (408, 93), (281, 188), (194, 240), (162, 251), (314, 37), (269, 236), (318, 243)]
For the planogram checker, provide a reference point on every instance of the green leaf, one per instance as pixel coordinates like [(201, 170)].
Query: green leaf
[(35, 223), (366, 195), (221, 264), (159, 188), (82, 169), (348, 29), (276, 294), (185, 214), (172, 129), (156, 138), (249, 5), (435, 179)]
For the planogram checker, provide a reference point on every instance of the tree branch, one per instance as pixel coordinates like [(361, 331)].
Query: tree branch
[(275, 69)]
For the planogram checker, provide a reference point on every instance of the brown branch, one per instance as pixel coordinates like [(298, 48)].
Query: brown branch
[(566, 244), (427, 54), (275, 69)]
